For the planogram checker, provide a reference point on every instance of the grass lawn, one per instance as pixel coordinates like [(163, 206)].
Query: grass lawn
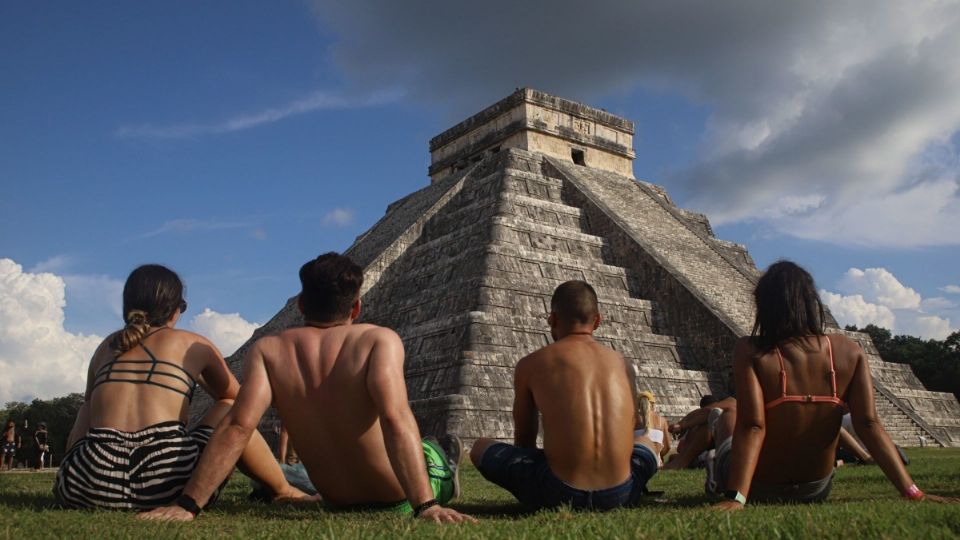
[(863, 505)]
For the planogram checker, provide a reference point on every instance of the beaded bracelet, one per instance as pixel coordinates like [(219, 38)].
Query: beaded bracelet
[(420, 508), (913, 493)]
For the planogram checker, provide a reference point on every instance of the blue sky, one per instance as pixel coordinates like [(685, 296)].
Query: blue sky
[(234, 140)]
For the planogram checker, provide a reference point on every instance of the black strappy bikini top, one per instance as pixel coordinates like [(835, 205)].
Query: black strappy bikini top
[(110, 368)]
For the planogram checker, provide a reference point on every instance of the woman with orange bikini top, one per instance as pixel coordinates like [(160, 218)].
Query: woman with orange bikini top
[(794, 383)]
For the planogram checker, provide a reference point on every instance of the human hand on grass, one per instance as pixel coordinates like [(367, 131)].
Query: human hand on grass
[(167, 513), (727, 506), (439, 514)]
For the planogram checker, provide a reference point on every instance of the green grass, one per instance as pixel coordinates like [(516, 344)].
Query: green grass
[(863, 505)]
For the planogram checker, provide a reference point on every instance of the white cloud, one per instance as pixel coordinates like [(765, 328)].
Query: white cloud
[(920, 215), (855, 310), (925, 326), (228, 331), (877, 297), (951, 289), (338, 217), (937, 303), (38, 358), (57, 263), (880, 286), (185, 225), (316, 101)]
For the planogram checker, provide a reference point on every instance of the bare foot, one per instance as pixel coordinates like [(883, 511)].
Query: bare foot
[(292, 494)]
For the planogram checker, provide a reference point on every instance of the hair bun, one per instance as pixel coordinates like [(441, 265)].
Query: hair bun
[(137, 317)]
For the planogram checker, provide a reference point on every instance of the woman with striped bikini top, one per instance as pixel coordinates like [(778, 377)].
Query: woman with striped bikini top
[(140, 384)]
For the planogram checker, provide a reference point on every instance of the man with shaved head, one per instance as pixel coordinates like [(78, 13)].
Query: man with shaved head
[(584, 394)]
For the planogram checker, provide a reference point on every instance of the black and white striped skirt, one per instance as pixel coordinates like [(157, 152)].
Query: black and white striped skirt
[(123, 470)]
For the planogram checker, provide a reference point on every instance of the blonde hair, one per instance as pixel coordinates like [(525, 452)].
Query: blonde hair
[(645, 402), (132, 334)]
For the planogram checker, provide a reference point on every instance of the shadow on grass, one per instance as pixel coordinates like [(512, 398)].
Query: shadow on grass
[(29, 501)]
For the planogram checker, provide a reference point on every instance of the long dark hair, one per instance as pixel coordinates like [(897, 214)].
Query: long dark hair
[(788, 305), (150, 297)]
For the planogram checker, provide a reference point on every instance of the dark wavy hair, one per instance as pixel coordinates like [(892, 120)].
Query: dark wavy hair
[(151, 295), (330, 285), (788, 306)]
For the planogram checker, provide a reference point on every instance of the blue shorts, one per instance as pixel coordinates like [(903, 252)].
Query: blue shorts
[(525, 473)]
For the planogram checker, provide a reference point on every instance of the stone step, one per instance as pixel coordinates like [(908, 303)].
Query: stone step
[(533, 185), (546, 213), (651, 224)]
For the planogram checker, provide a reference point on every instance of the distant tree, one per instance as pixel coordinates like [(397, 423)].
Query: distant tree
[(936, 363), (59, 415)]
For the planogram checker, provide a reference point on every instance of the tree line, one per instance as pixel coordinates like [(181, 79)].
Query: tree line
[(935, 362), (58, 413)]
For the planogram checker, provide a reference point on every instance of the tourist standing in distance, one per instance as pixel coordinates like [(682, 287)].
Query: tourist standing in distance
[(41, 444), (11, 443), (793, 384), (140, 384), (584, 393), (340, 392)]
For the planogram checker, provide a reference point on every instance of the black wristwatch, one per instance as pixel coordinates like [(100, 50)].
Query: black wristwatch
[(189, 504)]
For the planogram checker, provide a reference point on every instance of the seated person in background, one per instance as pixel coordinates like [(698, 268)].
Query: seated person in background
[(651, 429), (584, 393), (340, 393), (698, 428), (129, 447), (849, 450), (793, 384)]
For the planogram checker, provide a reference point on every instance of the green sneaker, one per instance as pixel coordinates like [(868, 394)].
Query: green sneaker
[(452, 447)]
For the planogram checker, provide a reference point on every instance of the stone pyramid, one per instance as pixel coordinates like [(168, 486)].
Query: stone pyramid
[(536, 190)]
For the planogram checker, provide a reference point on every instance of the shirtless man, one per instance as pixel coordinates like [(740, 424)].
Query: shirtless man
[(11, 443), (585, 395), (340, 392)]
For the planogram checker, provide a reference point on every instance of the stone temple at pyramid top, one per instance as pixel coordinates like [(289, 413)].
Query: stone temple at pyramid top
[(535, 121)]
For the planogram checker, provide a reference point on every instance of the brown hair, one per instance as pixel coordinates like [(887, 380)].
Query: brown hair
[(151, 295), (788, 306)]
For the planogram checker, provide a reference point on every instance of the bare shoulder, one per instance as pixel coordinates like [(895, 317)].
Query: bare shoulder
[(745, 350), (188, 338), (270, 342), (374, 333), (842, 343), (534, 359)]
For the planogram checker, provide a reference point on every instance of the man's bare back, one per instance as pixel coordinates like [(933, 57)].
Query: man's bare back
[(340, 391), (318, 378), (583, 393)]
